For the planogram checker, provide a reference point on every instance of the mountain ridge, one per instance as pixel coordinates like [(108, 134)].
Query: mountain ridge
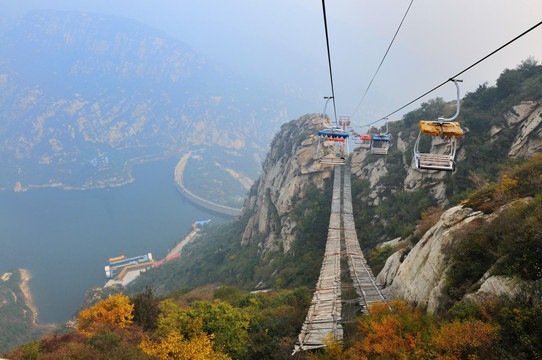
[(115, 87)]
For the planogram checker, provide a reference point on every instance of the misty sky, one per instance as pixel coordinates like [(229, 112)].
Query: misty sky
[(283, 41)]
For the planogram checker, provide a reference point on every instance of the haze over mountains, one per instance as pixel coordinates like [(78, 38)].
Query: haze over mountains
[(74, 86)]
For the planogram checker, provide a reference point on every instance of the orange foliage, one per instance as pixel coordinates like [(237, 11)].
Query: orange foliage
[(114, 312), (397, 332), (470, 339), (391, 332)]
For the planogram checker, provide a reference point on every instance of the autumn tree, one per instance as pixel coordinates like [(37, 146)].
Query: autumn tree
[(114, 312), (173, 345), (391, 332), (180, 336), (227, 324), (468, 339)]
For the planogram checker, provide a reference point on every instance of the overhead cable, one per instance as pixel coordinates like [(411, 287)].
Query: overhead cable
[(329, 60), (383, 58), (459, 73)]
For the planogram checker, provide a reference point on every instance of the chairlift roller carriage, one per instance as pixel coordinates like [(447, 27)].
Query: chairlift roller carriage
[(380, 142), (332, 141), (448, 130)]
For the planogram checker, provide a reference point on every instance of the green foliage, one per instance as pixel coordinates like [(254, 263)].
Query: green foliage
[(146, 309), (519, 324), (520, 247), (512, 243), (217, 255), (301, 265), (377, 258), (521, 331), (395, 216), (471, 258), (16, 320), (228, 324)]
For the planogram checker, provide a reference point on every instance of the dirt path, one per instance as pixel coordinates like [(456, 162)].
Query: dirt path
[(179, 247)]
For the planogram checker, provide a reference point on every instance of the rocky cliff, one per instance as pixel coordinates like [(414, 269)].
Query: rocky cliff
[(291, 167)]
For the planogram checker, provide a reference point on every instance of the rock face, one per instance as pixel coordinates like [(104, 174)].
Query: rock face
[(528, 117), (290, 169), (492, 286), (374, 169), (419, 278)]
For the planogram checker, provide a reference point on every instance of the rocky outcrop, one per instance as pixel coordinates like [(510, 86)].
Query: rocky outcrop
[(417, 279), (492, 287), (290, 169), (420, 277), (528, 117), (374, 168)]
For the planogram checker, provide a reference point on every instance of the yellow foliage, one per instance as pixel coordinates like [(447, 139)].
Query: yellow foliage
[(114, 312), (506, 185), (174, 346)]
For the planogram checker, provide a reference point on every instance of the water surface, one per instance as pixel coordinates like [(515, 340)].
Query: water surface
[(64, 238)]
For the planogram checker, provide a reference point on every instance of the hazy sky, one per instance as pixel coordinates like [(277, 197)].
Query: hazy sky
[(283, 41)]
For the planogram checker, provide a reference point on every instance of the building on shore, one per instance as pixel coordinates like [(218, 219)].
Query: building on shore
[(121, 270)]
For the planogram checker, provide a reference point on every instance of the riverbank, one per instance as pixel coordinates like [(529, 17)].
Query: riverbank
[(19, 319), (123, 178), (23, 285), (199, 201)]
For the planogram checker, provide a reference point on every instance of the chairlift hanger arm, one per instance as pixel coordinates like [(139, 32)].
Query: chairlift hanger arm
[(326, 126), (443, 120)]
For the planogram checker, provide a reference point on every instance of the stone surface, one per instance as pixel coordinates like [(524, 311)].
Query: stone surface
[(290, 169)]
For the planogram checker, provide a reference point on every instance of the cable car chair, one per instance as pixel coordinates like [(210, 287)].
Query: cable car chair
[(331, 142), (380, 142), (365, 141), (447, 130)]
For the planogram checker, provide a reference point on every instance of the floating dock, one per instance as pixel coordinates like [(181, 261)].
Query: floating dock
[(121, 270)]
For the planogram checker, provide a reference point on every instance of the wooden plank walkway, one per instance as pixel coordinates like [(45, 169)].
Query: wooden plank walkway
[(364, 281), (324, 315)]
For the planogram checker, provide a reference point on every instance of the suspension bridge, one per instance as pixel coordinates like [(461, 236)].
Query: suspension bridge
[(332, 301)]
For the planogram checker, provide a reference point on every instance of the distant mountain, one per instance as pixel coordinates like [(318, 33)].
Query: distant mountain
[(74, 86)]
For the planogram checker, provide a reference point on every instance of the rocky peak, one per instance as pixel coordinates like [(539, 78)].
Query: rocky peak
[(290, 169)]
